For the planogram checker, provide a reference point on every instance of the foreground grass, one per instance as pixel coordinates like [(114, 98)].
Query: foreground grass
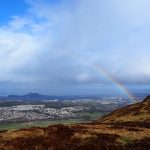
[(77, 137)]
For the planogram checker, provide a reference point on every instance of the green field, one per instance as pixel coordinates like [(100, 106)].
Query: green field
[(91, 115), (37, 123), (84, 117)]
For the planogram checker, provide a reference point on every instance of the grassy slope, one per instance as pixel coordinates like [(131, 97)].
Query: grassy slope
[(134, 113)]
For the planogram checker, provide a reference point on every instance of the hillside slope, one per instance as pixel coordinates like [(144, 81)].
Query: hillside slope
[(129, 131), (139, 112)]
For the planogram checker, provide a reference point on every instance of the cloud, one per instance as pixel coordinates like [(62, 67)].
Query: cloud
[(59, 43)]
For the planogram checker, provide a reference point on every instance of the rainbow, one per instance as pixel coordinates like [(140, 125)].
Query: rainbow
[(114, 81), (106, 75)]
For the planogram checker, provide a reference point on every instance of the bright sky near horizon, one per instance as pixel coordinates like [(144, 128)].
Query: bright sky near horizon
[(52, 46)]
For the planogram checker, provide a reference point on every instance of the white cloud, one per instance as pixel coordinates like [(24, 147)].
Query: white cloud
[(60, 43)]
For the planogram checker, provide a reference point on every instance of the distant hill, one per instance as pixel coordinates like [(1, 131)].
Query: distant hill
[(127, 128), (37, 96), (30, 96), (138, 112)]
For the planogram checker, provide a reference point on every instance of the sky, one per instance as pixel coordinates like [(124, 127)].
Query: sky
[(54, 46)]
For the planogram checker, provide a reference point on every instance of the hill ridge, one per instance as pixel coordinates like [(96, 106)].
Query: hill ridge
[(135, 112)]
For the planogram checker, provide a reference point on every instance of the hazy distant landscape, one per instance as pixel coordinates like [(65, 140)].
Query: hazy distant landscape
[(34, 109)]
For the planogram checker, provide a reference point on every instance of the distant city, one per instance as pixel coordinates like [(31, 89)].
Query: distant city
[(36, 107)]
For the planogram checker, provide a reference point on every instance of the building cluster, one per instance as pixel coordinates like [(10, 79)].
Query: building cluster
[(21, 113)]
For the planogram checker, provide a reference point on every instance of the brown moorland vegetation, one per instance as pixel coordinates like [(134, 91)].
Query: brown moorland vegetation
[(127, 128)]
